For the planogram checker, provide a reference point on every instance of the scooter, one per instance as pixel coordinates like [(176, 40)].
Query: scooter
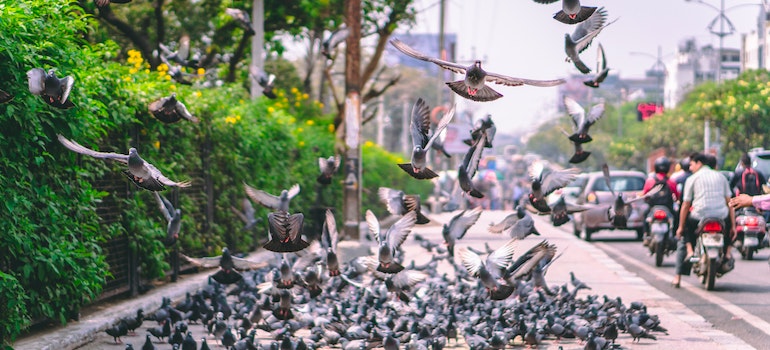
[(750, 229), (659, 240), (709, 262)]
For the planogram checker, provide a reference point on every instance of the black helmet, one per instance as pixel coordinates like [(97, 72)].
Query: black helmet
[(662, 165), (684, 163)]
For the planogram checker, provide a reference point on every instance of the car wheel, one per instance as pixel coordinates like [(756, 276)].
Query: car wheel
[(587, 234)]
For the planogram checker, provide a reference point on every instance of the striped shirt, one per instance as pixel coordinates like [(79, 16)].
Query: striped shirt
[(707, 189)]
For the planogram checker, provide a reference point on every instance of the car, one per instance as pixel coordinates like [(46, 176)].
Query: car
[(595, 193)]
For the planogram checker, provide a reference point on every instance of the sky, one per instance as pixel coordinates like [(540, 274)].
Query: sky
[(520, 38)]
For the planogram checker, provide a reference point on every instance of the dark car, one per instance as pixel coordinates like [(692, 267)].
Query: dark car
[(595, 192)]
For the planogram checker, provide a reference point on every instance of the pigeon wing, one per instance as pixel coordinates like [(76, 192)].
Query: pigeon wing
[(399, 231), (76, 147), (511, 81), (509, 221), (165, 206), (331, 234), (442, 124), (405, 49), (649, 193), (212, 261), (558, 179), (601, 60), (588, 29), (575, 111), (295, 226), (262, 197), (182, 110), (499, 259), (607, 178), (66, 83), (462, 222), (596, 113), (374, 225), (392, 199), (471, 261), (36, 80), (408, 278), (293, 191), (244, 264), (158, 176)]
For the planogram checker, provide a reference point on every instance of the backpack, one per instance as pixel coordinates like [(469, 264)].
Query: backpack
[(750, 182), (663, 197)]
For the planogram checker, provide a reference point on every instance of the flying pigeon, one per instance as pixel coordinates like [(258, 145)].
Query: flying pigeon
[(560, 211), (266, 81), (401, 282), (420, 127), (329, 238), (140, 172), (390, 240), (173, 217), (486, 126), (508, 221), (584, 33), (242, 18), (328, 168), (228, 266), (268, 200), (601, 69), (181, 54), (469, 166), (544, 182), (285, 232), (337, 37), (571, 12), (52, 89), (580, 154), (580, 120), (247, 215), (399, 203), (458, 226), (620, 210), (473, 87), (490, 272), (170, 110)]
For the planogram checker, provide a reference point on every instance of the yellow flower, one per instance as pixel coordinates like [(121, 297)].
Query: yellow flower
[(300, 129), (331, 127), (162, 67), (146, 71), (127, 78), (297, 104), (201, 71), (309, 122), (237, 117), (755, 107), (294, 90), (270, 109), (172, 87), (133, 70), (305, 96), (368, 143), (156, 144), (230, 120), (292, 120), (301, 143), (168, 77), (197, 94)]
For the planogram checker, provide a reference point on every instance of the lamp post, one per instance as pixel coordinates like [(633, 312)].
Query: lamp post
[(659, 66)]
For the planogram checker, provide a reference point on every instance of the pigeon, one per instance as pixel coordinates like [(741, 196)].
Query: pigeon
[(458, 226), (399, 203), (621, 209), (280, 202), (103, 3), (148, 345), (247, 215), (329, 238), (160, 332), (117, 331), (172, 216), (5, 97), (189, 342), (637, 332), (469, 166), (560, 211), (473, 87), (170, 110), (544, 182), (580, 154), (571, 12), (584, 33), (484, 126), (420, 127), (242, 18), (179, 56), (329, 167), (54, 91), (523, 227), (508, 221), (581, 121), (265, 80), (132, 323), (399, 282), (438, 143), (283, 311), (601, 69), (285, 232), (492, 270), (337, 37), (228, 264), (140, 172), (390, 240)]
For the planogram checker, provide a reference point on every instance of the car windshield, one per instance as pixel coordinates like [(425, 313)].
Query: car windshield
[(621, 184)]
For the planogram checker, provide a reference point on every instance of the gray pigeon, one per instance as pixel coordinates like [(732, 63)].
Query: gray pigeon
[(469, 166), (490, 272), (335, 38), (140, 172), (171, 110), (329, 238), (473, 87), (328, 167), (571, 12), (420, 128), (242, 18), (458, 226), (285, 232), (581, 38), (265, 80), (53, 90), (508, 221), (390, 240), (399, 203), (227, 264), (581, 121), (280, 202), (173, 217), (544, 182), (601, 69), (523, 227), (399, 282), (247, 215), (580, 154)]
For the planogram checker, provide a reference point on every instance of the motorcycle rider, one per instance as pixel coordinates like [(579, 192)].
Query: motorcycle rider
[(665, 197), (747, 179), (681, 176), (706, 194)]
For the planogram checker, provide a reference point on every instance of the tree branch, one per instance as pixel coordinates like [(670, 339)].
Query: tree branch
[(339, 104), (237, 56), (139, 40), (160, 24), (373, 93)]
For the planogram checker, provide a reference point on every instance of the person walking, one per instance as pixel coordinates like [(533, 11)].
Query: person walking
[(706, 194)]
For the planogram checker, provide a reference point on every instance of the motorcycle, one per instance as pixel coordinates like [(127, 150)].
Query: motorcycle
[(659, 239), (709, 262), (750, 229)]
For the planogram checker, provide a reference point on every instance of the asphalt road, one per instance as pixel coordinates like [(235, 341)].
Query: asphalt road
[(739, 303)]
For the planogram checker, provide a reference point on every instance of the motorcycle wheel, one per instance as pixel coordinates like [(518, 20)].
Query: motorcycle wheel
[(711, 274), (659, 253)]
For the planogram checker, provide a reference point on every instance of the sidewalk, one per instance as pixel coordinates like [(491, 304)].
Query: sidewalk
[(591, 265)]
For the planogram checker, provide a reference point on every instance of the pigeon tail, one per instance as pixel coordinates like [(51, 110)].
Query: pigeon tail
[(287, 247), (283, 314), (579, 157), (475, 193), (56, 103), (150, 184), (591, 83), (422, 219), (580, 138), (582, 15), (393, 267), (558, 220), (581, 66), (424, 174), (485, 94), (502, 291), (227, 276)]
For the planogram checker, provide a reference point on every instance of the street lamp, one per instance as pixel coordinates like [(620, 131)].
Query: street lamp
[(659, 66)]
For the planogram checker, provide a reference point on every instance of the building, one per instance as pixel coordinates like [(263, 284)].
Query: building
[(695, 65), (754, 45)]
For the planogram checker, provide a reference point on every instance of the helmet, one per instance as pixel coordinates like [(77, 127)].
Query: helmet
[(662, 165), (684, 163)]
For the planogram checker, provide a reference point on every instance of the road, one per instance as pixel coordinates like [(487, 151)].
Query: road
[(737, 305)]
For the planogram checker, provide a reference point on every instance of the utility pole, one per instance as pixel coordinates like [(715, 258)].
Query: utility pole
[(441, 52), (257, 42), (352, 186)]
